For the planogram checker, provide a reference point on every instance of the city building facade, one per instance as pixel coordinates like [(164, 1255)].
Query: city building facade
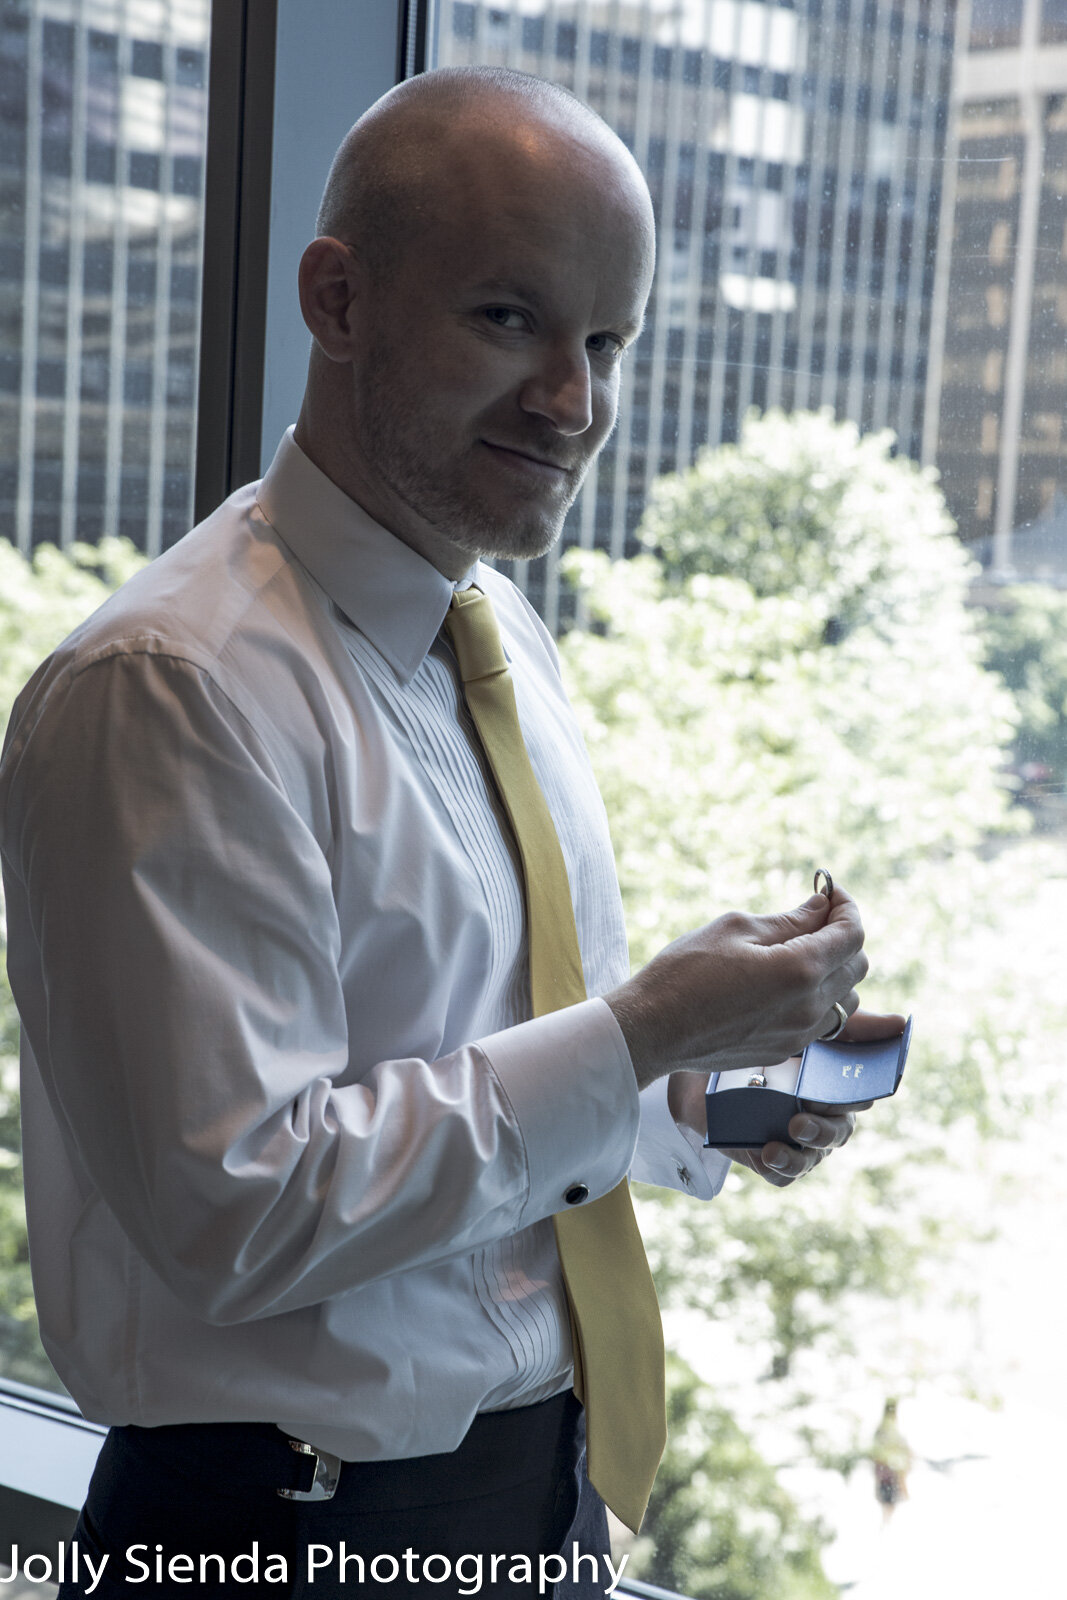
[(795, 153), (102, 131), (997, 431)]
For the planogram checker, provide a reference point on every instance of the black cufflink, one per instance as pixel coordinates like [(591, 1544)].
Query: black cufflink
[(576, 1194)]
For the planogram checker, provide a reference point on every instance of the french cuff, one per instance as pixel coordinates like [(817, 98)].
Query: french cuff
[(571, 1085), (673, 1156)]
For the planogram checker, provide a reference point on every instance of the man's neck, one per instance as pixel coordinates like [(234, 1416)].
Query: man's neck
[(450, 559)]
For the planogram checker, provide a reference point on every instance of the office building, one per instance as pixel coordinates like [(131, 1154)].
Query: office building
[(997, 432), (102, 130), (795, 154)]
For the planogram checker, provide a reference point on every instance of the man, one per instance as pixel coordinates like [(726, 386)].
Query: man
[(294, 1141)]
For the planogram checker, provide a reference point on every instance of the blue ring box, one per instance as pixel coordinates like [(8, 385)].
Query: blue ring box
[(836, 1072)]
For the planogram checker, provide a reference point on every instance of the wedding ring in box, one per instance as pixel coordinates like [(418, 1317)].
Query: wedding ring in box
[(746, 1109)]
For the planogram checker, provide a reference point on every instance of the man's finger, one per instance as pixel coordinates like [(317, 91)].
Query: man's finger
[(819, 1109), (781, 1163), (785, 925), (864, 1025), (849, 975), (830, 1026), (837, 933), (820, 1132)]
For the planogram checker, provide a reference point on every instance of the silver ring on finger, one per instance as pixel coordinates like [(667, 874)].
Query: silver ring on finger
[(842, 1018)]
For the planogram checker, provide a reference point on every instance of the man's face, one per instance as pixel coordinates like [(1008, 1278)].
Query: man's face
[(489, 359)]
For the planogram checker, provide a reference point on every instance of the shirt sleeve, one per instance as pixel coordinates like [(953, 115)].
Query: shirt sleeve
[(175, 958), (672, 1156), (668, 1154)]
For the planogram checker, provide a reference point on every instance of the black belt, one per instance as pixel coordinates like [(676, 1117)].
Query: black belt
[(501, 1450)]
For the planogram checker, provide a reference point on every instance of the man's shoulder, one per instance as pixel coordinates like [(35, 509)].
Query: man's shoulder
[(228, 605), (193, 599)]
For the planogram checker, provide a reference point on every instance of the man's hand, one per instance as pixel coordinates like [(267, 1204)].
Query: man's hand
[(743, 991), (818, 1129)]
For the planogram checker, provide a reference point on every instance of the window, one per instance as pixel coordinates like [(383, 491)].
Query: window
[(887, 273), (1000, 243), (106, 140), (860, 214), (101, 221), (995, 24), (990, 433), (983, 505)]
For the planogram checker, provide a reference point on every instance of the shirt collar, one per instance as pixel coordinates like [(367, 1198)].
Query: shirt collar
[(394, 596)]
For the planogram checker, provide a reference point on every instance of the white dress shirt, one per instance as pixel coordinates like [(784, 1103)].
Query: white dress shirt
[(291, 1140)]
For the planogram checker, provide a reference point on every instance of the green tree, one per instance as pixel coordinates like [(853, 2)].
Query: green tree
[(764, 695), (791, 678), (1025, 640), (723, 1525), (41, 601)]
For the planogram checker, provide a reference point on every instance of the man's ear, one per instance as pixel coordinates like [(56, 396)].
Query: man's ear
[(328, 286)]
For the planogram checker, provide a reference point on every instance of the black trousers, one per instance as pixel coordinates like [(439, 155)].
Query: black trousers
[(193, 1510)]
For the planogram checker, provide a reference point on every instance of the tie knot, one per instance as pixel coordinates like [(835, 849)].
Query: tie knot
[(475, 636)]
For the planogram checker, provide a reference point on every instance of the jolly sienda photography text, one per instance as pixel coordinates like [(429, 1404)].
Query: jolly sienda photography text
[(141, 1563)]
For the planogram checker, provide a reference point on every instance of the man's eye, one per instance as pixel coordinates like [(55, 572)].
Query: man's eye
[(605, 344), (505, 317)]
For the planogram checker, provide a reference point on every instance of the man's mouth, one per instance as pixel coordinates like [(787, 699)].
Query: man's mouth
[(528, 461)]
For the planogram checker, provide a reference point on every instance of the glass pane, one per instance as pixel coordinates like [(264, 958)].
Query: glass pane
[(794, 161), (102, 143), (840, 231), (103, 117), (995, 24), (1054, 22)]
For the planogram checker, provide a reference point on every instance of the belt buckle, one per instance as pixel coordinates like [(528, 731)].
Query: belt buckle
[(327, 1474)]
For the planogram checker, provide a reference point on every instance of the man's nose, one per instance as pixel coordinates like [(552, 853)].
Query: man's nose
[(561, 391)]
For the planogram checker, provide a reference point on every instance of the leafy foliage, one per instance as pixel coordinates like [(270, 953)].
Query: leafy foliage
[(724, 1526), (742, 730), (1025, 641), (805, 508), (791, 678), (41, 601)]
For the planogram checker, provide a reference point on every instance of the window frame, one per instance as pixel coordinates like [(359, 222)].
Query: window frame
[(49, 1454), (323, 62)]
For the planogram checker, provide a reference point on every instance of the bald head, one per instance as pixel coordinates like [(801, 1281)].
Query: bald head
[(485, 252), (396, 171)]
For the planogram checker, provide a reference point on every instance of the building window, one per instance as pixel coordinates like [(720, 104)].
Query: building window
[(995, 24), (1000, 243), (993, 371), (983, 503), (990, 433), (996, 305)]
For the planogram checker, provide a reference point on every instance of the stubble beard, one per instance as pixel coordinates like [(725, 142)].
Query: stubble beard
[(421, 473)]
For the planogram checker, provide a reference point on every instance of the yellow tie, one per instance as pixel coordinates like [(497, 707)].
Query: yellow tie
[(615, 1321)]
